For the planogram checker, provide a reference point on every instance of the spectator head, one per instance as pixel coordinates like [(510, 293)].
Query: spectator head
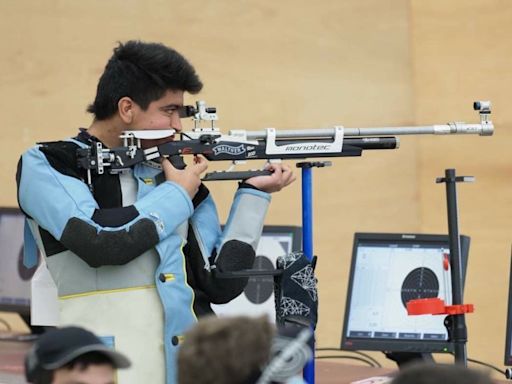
[(72, 354), (242, 350), (234, 350)]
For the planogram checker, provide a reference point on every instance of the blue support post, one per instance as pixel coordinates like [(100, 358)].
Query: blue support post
[(307, 212), (307, 236), (307, 246)]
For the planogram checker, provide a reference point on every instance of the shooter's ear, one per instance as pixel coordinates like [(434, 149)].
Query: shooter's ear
[(125, 108)]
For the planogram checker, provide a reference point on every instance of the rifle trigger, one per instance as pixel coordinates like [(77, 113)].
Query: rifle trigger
[(177, 161)]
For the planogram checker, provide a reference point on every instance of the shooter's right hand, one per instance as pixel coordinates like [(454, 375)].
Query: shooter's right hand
[(190, 177)]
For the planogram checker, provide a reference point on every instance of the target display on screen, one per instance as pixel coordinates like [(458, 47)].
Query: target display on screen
[(258, 296), (387, 271), (420, 283)]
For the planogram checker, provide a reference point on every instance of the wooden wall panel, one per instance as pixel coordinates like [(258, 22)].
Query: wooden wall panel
[(462, 52), (284, 64)]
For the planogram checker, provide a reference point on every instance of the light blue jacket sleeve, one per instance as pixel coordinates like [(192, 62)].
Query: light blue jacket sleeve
[(54, 200), (212, 251)]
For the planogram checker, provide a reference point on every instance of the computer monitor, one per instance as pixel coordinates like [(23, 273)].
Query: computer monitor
[(387, 271), (508, 340), (258, 296), (14, 276)]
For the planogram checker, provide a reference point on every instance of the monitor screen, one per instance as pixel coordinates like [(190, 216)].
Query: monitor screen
[(14, 276), (387, 271), (508, 341)]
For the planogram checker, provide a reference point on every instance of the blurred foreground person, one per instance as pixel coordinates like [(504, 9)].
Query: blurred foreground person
[(72, 355), (242, 350)]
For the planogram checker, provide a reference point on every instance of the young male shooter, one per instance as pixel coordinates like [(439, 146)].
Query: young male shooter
[(133, 260)]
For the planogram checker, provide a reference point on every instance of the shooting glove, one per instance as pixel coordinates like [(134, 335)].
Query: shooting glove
[(296, 292)]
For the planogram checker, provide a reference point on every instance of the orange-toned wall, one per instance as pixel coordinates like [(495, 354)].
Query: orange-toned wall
[(289, 64), (461, 52)]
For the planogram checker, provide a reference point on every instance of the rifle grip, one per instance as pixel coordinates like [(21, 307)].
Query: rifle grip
[(177, 161)]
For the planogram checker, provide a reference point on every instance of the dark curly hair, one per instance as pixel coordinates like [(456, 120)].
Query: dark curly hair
[(144, 72), (225, 350)]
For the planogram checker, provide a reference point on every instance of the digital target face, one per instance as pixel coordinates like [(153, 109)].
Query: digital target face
[(258, 296), (420, 283), (260, 288), (388, 271)]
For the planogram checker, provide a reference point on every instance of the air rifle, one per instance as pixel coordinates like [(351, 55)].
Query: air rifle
[(270, 144)]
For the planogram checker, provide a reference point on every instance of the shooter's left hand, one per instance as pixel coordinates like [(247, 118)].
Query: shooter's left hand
[(280, 177)]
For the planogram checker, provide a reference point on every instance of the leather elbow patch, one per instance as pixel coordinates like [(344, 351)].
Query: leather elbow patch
[(109, 247), (115, 217), (235, 255)]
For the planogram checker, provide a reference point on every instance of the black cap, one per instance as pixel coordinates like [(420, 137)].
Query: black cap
[(59, 346)]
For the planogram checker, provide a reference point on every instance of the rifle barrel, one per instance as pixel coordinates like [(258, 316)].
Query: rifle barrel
[(444, 129)]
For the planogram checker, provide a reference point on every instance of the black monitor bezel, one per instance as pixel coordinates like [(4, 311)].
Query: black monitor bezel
[(22, 309), (295, 231), (374, 344)]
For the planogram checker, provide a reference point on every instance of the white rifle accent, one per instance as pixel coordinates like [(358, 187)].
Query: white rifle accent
[(303, 147)]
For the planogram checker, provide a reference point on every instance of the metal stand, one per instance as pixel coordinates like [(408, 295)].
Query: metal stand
[(456, 324), (307, 236)]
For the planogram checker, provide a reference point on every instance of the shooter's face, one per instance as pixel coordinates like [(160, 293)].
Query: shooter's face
[(161, 114)]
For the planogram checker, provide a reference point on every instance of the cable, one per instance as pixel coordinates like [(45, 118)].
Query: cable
[(484, 364), (346, 357), (369, 357), (377, 364)]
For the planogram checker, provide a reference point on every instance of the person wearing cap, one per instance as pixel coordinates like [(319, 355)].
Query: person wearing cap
[(133, 254), (72, 355)]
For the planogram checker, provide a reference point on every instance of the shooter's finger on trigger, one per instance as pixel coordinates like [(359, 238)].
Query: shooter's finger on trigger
[(198, 159), (200, 166)]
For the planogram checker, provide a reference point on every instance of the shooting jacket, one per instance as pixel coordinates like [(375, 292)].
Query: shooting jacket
[(134, 261)]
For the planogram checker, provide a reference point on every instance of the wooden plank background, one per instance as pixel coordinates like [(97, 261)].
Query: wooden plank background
[(298, 64)]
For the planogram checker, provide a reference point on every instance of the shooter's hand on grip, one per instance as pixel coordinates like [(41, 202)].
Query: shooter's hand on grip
[(280, 177), (190, 177)]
